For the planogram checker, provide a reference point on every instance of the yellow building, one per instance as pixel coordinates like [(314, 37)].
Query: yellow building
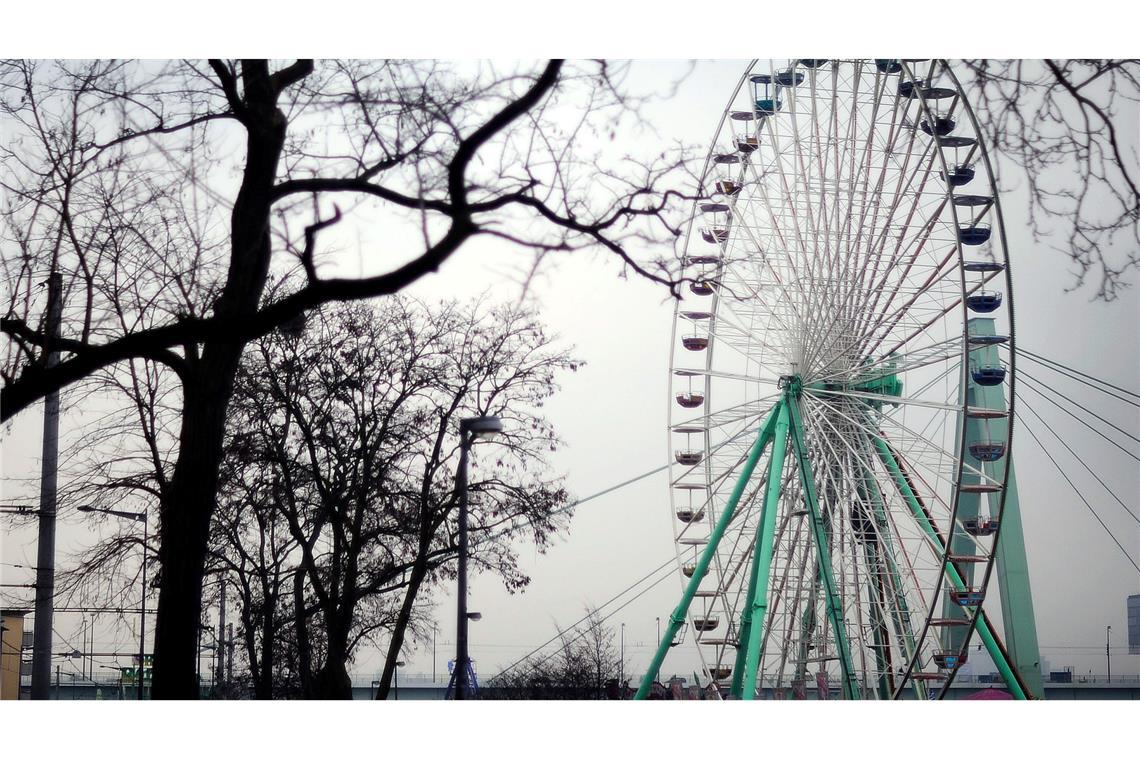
[(11, 651)]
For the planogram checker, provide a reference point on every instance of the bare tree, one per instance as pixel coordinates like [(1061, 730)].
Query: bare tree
[(166, 193), (340, 470), (586, 665), (1071, 127)]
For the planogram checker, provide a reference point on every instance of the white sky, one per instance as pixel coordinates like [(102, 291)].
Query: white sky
[(612, 415)]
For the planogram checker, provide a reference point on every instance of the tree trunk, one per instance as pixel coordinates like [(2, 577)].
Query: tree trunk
[(186, 509), (419, 572), (333, 682), (304, 646), (189, 503)]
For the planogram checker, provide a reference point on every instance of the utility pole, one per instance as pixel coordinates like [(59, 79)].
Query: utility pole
[(229, 652), (219, 645), (45, 549)]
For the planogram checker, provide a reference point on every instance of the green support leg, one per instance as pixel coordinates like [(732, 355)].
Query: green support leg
[(900, 616), (678, 616), (1017, 614), (992, 647), (823, 552), (746, 619), (764, 547)]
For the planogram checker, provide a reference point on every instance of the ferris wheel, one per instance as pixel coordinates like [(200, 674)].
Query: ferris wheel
[(842, 385)]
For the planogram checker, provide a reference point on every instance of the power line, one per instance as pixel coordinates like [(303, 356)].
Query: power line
[(1082, 461), (605, 604), (1076, 417), (1079, 494), (1083, 383), (1041, 359), (1083, 408)]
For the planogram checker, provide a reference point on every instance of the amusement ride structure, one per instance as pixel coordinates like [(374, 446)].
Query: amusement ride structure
[(841, 483)]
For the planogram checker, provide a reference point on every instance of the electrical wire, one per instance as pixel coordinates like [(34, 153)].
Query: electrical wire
[(1081, 460), (1041, 359), (605, 604), (1074, 416), (1127, 556), (1083, 382), (1120, 430)]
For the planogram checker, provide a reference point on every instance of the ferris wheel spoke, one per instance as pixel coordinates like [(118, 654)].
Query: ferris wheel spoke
[(917, 440)]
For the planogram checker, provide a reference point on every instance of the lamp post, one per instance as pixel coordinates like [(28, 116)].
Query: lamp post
[(469, 430), (1107, 655), (621, 666), (396, 673), (141, 517)]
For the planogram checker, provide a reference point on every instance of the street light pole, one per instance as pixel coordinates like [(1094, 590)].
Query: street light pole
[(140, 517), (1107, 655), (461, 611), (469, 429), (396, 674), (142, 611), (621, 666)]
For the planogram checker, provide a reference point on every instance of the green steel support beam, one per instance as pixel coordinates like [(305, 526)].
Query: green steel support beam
[(994, 649), (678, 616), (901, 612), (746, 617), (1018, 619), (764, 547), (827, 576)]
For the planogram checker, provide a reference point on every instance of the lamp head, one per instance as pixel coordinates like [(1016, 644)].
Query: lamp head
[(474, 615), (481, 427)]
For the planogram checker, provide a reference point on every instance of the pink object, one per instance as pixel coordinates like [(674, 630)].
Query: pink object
[(990, 694)]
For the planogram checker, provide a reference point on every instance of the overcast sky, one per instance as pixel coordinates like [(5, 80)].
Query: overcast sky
[(612, 414)]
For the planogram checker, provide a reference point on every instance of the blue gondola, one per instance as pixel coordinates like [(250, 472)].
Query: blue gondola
[(937, 93), (908, 89), (760, 79), (984, 302), (987, 451), (968, 598), (982, 266), (988, 375), (888, 65), (959, 175), (956, 141), (948, 660), (813, 63), (970, 201), (789, 78), (975, 235), (981, 526), (943, 125), (768, 106)]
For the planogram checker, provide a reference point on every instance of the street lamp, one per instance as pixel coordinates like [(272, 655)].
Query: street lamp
[(469, 429), (399, 664), (141, 517), (621, 665), (1107, 655)]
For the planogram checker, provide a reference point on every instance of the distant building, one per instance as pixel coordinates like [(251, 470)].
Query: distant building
[(12, 636), (1134, 624)]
